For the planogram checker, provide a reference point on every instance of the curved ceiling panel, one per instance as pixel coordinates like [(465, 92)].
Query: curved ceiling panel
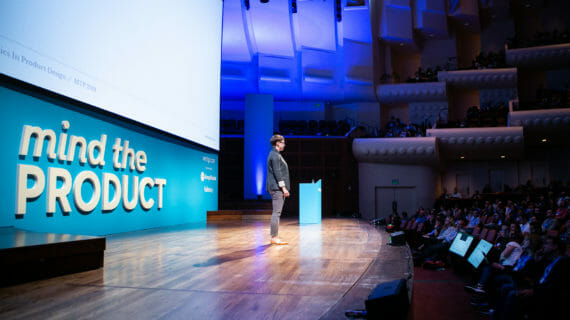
[(356, 24), (270, 49), (320, 75), (315, 25), (234, 36), (396, 25), (431, 18), (271, 27)]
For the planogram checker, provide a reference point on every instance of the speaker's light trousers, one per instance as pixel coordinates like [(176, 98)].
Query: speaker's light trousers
[(277, 200)]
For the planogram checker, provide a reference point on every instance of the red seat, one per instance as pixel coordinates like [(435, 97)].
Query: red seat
[(483, 234), (420, 227), (476, 231), (491, 235), (553, 233), (414, 225), (482, 219)]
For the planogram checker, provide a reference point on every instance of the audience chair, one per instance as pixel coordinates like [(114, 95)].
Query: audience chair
[(420, 227), (476, 231), (483, 234), (413, 226), (491, 235), (554, 233)]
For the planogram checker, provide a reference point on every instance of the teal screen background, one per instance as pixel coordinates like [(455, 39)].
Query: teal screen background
[(191, 171)]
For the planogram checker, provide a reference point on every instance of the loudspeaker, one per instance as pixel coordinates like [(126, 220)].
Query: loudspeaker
[(389, 300), (397, 238)]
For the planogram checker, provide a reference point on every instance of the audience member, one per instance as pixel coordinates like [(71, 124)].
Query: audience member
[(517, 278), (507, 260), (547, 298)]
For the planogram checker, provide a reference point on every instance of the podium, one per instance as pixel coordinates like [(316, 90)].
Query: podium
[(310, 202)]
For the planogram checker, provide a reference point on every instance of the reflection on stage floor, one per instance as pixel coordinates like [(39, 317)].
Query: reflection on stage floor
[(222, 270)]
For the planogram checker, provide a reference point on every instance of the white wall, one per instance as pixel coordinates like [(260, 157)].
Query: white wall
[(371, 175), (540, 166)]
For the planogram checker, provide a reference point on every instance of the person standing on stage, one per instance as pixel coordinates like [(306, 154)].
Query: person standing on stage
[(278, 184)]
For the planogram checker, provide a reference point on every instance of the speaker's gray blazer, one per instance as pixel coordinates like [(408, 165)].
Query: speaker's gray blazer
[(277, 172)]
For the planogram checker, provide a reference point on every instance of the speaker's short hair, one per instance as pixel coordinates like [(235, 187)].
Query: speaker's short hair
[(276, 138)]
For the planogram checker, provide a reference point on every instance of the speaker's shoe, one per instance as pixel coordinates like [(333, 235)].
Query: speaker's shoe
[(279, 242)]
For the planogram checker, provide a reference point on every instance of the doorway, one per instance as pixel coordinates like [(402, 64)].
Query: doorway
[(400, 198)]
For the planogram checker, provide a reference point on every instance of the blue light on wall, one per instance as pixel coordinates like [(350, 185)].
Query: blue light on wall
[(258, 129), (259, 179), (295, 56)]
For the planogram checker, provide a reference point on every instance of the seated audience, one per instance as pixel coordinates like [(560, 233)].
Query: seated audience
[(547, 298), (437, 249), (507, 260), (518, 277)]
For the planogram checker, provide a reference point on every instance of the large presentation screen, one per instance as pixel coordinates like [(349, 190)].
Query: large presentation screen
[(155, 62)]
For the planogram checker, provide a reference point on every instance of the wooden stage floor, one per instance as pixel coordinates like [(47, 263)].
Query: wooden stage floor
[(222, 270)]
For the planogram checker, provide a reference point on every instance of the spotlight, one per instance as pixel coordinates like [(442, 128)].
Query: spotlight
[(544, 140), (503, 156)]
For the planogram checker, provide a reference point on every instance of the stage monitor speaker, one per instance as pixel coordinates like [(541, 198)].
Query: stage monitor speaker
[(389, 300), (397, 238)]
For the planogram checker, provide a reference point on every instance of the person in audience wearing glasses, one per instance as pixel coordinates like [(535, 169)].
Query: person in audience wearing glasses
[(549, 222), (548, 297), (436, 249), (507, 260), (473, 221), (439, 224), (514, 231), (522, 275)]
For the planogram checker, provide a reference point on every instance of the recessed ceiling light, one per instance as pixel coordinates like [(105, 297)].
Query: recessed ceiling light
[(544, 140), (503, 156), (461, 157)]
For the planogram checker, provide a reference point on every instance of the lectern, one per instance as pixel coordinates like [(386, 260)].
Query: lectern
[(310, 199)]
